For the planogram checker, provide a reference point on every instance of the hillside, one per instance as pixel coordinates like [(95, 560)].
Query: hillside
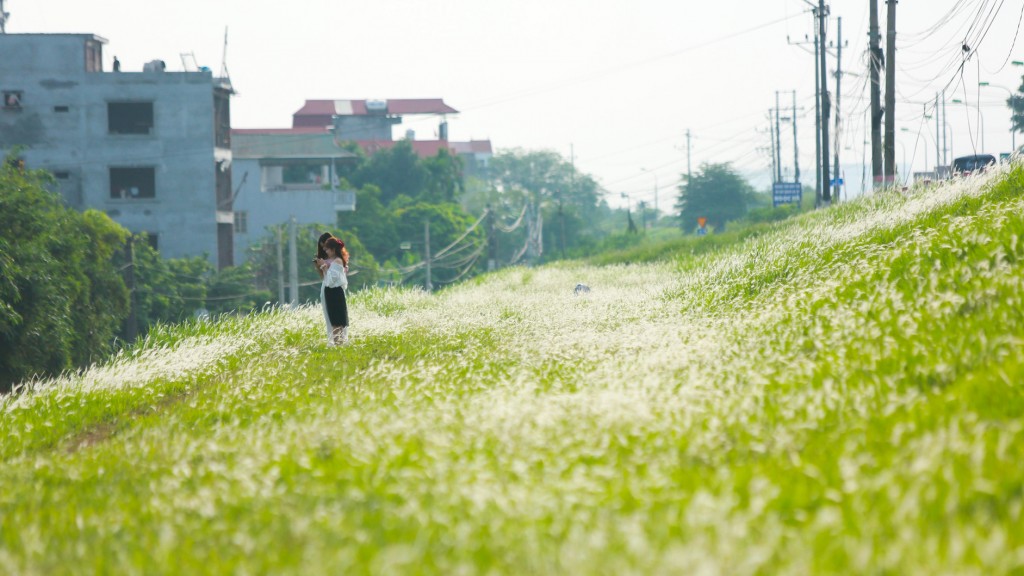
[(839, 395)]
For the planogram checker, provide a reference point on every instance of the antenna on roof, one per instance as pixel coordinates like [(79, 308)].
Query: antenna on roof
[(4, 15), (224, 58)]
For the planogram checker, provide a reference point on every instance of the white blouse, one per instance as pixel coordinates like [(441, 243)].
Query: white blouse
[(334, 276)]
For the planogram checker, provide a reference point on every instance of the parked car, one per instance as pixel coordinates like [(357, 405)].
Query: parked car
[(971, 164)]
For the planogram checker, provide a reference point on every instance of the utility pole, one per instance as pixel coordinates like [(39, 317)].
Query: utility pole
[(492, 247), (689, 173), (938, 152), (4, 15), (839, 76), (890, 95), (280, 265), (876, 95), (426, 247), (132, 323), (945, 149), (826, 191), (572, 182), (796, 146), (293, 265), (817, 118), (778, 142), (771, 138)]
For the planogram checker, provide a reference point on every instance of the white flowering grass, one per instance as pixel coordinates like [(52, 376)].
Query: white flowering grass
[(841, 395)]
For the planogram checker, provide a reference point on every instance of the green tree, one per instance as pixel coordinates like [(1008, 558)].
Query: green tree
[(372, 222), (570, 202), (167, 291), (716, 192), (395, 171), (445, 181), (61, 298), (1016, 104), (447, 223)]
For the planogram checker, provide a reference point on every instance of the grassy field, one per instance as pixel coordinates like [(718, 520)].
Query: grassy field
[(839, 393)]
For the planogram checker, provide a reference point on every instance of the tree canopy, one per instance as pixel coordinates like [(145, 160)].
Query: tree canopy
[(62, 298), (716, 192)]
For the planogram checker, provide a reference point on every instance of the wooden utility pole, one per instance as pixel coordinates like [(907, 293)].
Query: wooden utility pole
[(826, 181), (890, 95), (817, 118), (876, 95), (839, 76)]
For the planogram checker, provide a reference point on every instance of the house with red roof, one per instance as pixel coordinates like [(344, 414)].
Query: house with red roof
[(292, 172), (370, 123)]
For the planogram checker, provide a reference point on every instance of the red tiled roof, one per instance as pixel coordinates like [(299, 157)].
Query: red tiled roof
[(299, 130), (358, 107)]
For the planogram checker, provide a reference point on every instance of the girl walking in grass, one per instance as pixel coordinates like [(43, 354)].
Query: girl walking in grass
[(332, 290)]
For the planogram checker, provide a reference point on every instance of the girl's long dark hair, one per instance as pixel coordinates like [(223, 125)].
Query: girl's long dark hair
[(339, 247), (320, 253)]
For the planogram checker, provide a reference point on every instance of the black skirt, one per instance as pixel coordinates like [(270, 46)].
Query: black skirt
[(337, 307)]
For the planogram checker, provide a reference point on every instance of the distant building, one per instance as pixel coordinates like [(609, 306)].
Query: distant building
[(285, 173), (151, 148), (290, 172), (476, 155), (357, 120), (370, 123)]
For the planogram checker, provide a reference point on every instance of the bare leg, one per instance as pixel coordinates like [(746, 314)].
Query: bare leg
[(336, 337)]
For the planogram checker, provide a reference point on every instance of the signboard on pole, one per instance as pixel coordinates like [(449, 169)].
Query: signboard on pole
[(787, 193)]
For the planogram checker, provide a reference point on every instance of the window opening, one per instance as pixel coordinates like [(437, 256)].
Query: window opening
[(130, 117), (132, 183)]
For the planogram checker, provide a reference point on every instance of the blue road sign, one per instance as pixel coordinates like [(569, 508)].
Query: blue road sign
[(787, 193)]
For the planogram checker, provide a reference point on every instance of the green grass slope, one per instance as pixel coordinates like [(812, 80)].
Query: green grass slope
[(839, 394)]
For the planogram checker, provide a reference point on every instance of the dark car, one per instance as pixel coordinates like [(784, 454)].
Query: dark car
[(969, 164)]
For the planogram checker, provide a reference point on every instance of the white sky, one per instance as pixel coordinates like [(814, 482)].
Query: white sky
[(618, 81)]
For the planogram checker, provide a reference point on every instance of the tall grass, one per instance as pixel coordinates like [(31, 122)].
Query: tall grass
[(839, 393)]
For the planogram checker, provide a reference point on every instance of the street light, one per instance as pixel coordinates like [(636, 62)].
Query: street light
[(1013, 131), (980, 113)]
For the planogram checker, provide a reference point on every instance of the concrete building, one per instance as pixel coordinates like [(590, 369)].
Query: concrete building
[(151, 148), (284, 174)]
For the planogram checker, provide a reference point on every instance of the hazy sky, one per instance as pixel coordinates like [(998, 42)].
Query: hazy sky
[(618, 81)]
